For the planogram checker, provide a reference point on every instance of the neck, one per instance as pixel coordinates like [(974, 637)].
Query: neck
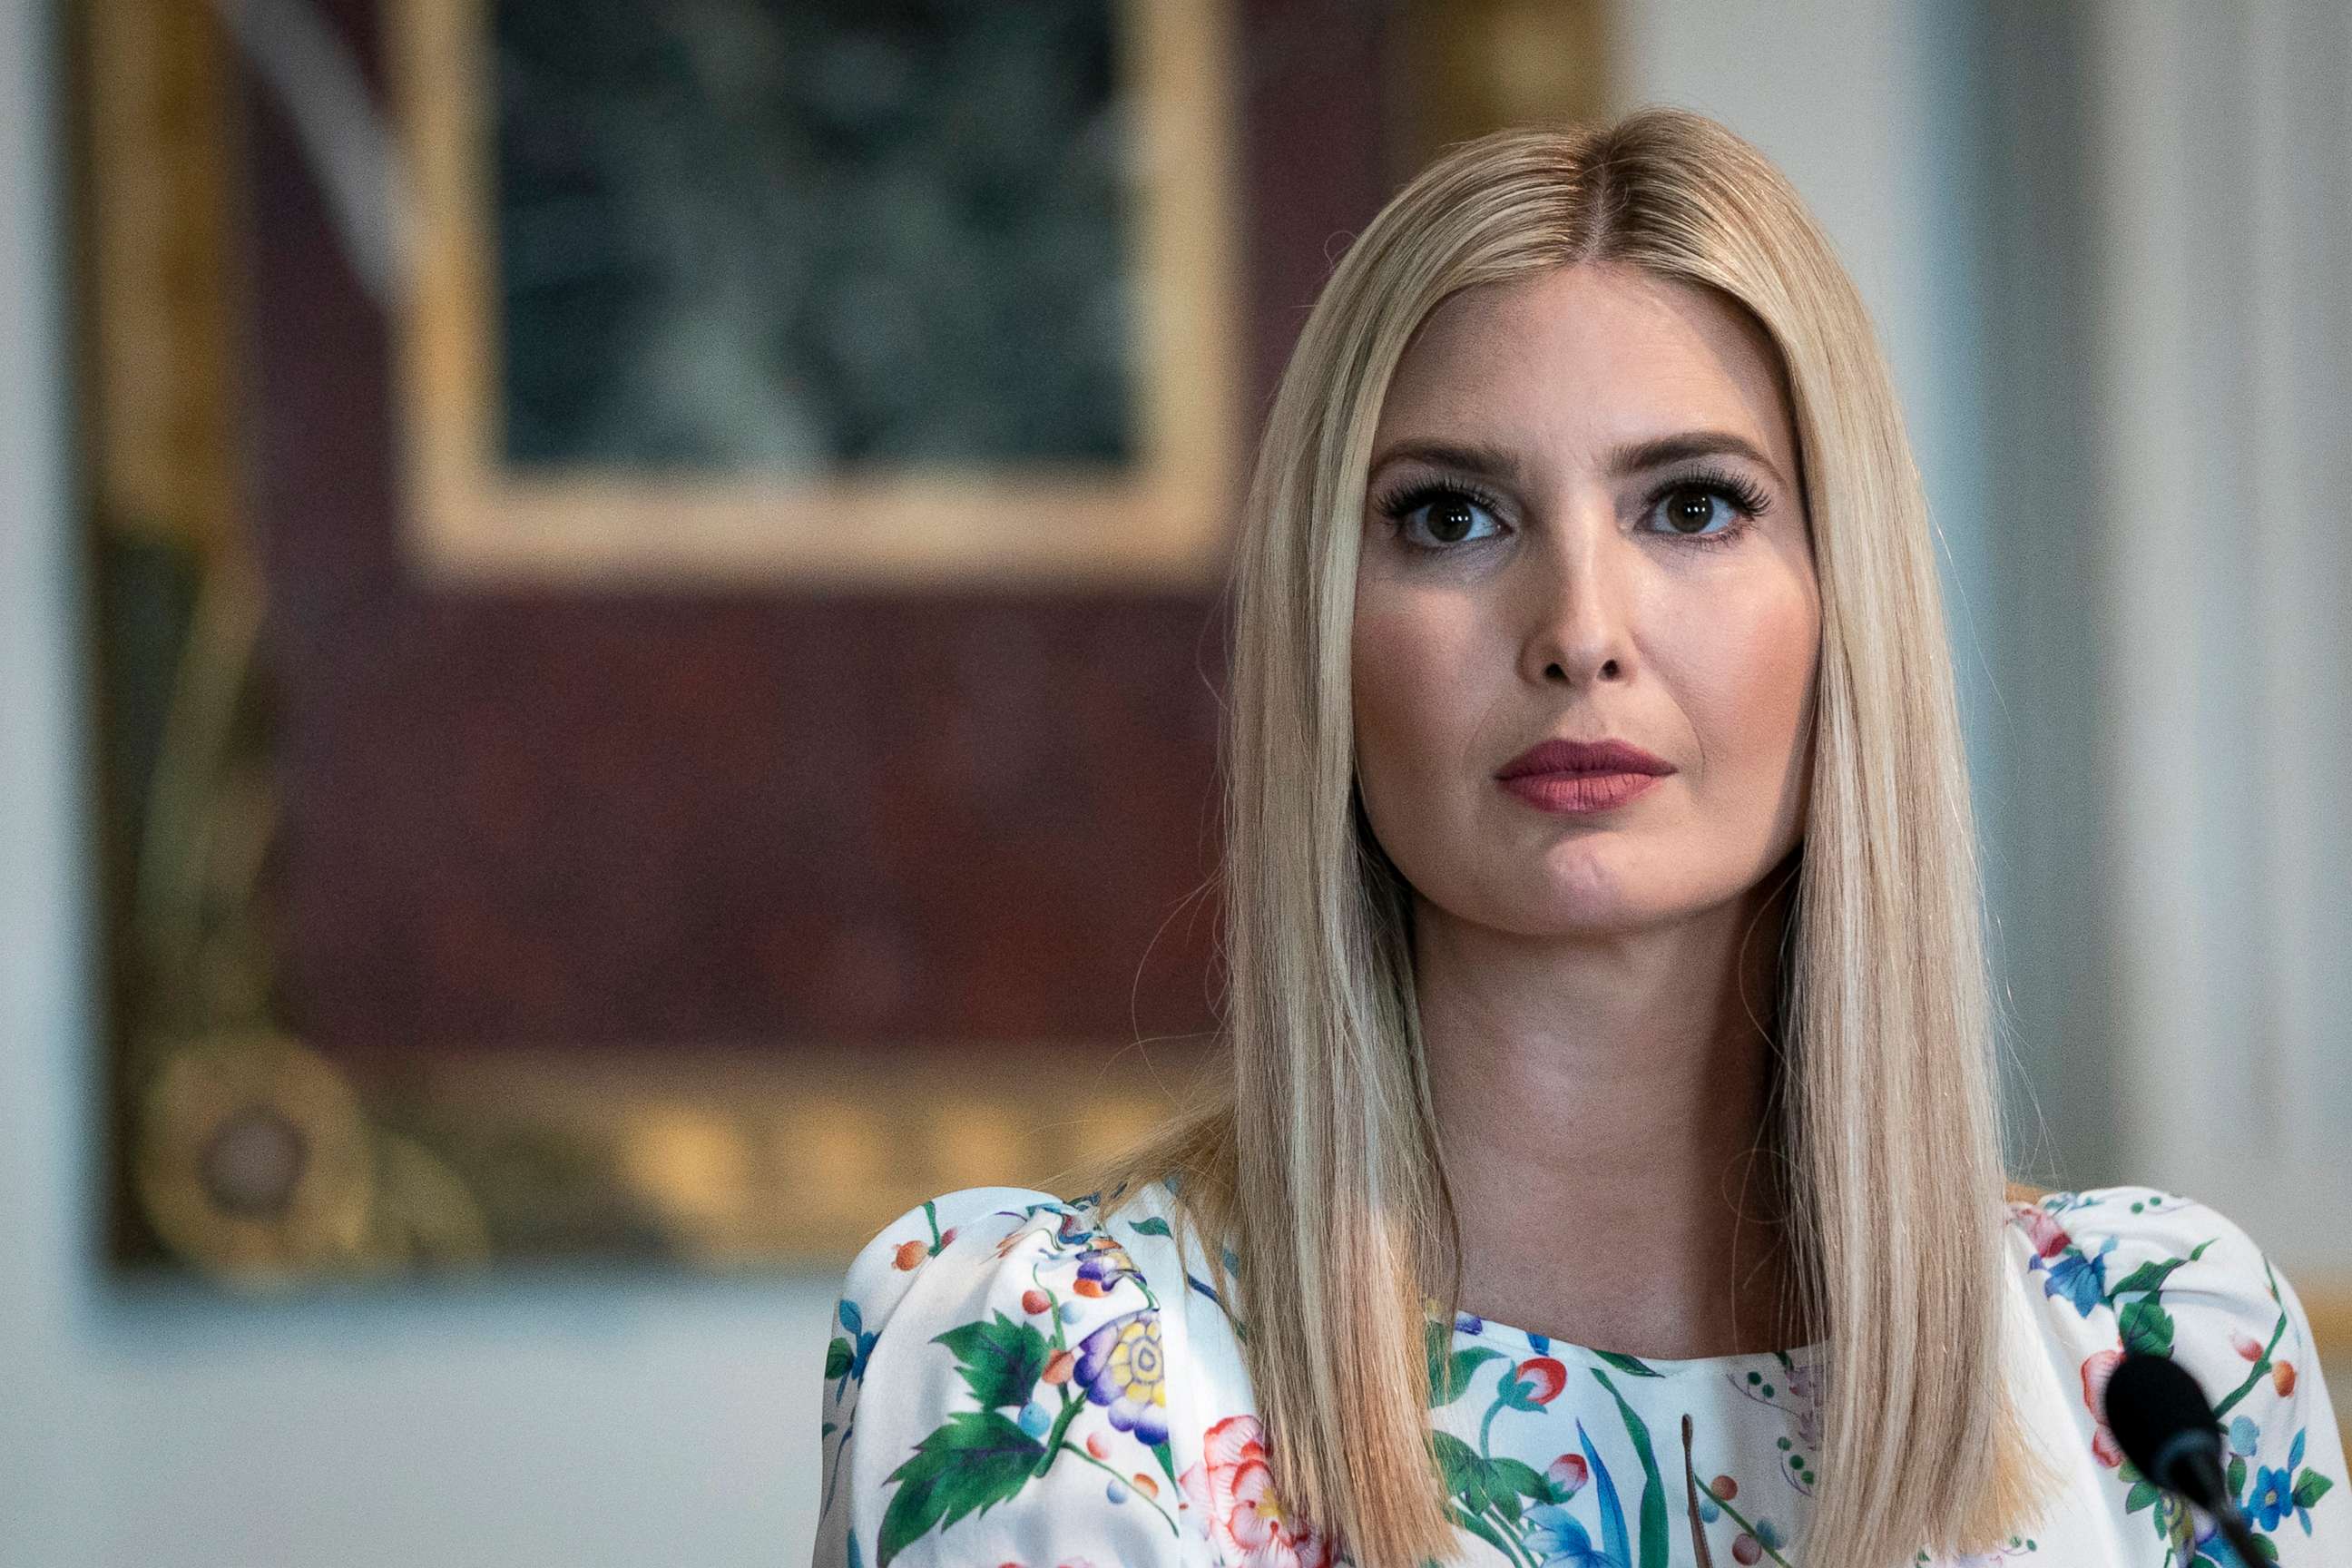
[(1603, 1105)]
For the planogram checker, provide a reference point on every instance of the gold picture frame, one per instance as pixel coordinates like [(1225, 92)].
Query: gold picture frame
[(1161, 521)]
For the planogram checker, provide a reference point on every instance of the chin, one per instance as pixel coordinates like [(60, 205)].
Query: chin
[(1580, 907), (1591, 892)]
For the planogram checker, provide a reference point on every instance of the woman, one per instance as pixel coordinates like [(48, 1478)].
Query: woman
[(1609, 1171)]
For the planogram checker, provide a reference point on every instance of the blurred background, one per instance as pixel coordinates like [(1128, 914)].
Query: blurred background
[(609, 657)]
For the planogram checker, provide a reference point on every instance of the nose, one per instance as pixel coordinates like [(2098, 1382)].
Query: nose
[(1577, 601)]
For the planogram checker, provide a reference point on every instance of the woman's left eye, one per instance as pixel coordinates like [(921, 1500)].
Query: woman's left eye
[(1692, 509)]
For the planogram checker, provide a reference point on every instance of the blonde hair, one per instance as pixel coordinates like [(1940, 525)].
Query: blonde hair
[(1318, 1160)]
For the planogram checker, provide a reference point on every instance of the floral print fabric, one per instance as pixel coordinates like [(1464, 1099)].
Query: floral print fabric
[(1014, 1379)]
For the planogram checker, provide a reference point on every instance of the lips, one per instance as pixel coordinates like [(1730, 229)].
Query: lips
[(1563, 756)]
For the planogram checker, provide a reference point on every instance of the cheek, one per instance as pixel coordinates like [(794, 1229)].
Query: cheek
[(1752, 694), (1410, 666)]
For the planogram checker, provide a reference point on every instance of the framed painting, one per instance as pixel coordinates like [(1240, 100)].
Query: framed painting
[(819, 294), (594, 770)]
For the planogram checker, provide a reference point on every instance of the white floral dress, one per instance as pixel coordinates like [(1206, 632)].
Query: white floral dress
[(1015, 1380)]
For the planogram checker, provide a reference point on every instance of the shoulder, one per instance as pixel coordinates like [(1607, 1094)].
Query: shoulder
[(2122, 1247), (1040, 1257), (997, 1369), (1002, 1292), (975, 1240), (2134, 1268)]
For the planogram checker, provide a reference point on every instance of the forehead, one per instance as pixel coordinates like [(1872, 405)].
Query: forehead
[(1591, 354)]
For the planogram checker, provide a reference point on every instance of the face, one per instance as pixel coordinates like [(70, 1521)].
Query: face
[(1585, 522)]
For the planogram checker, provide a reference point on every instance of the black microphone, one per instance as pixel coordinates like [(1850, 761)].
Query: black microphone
[(2168, 1429)]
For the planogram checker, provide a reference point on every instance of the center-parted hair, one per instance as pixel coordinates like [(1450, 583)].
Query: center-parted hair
[(1316, 1158)]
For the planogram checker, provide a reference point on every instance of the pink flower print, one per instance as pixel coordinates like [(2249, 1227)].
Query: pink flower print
[(2096, 1370), (1544, 1378), (1568, 1475), (1233, 1486), (2041, 1226)]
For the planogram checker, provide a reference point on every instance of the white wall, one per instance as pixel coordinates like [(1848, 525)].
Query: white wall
[(2225, 387)]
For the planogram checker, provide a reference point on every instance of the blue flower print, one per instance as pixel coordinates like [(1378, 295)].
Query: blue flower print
[(2080, 1280), (2272, 1497), (845, 1359), (1559, 1541), (2299, 1491)]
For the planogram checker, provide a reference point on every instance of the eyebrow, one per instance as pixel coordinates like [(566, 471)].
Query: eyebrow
[(1505, 463)]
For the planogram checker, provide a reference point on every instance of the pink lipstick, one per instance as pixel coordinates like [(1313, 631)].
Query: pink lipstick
[(1578, 777)]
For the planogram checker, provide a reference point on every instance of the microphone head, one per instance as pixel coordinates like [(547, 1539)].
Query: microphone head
[(2151, 1403)]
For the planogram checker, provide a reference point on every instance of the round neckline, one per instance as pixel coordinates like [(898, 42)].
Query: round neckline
[(1521, 1342), (1493, 1332)]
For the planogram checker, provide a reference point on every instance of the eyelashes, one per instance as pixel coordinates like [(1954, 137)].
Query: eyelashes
[(1747, 500), (1746, 497), (1401, 503)]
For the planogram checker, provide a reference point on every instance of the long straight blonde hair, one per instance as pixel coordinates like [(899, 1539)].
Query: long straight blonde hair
[(1318, 1160)]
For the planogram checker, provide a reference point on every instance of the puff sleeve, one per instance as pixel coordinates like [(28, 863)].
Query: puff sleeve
[(995, 1392), (2136, 1269)]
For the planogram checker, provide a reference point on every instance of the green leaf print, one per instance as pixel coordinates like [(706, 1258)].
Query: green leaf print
[(1524, 1479), (1631, 1366), (839, 1357), (1001, 1361), (2148, 1278), (2144, 1324), (975, 1459), (1449, 1374), (1149, 1225), (2310, 1487), (1654, 1491), (2146, 1327), (1465, 1473)]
